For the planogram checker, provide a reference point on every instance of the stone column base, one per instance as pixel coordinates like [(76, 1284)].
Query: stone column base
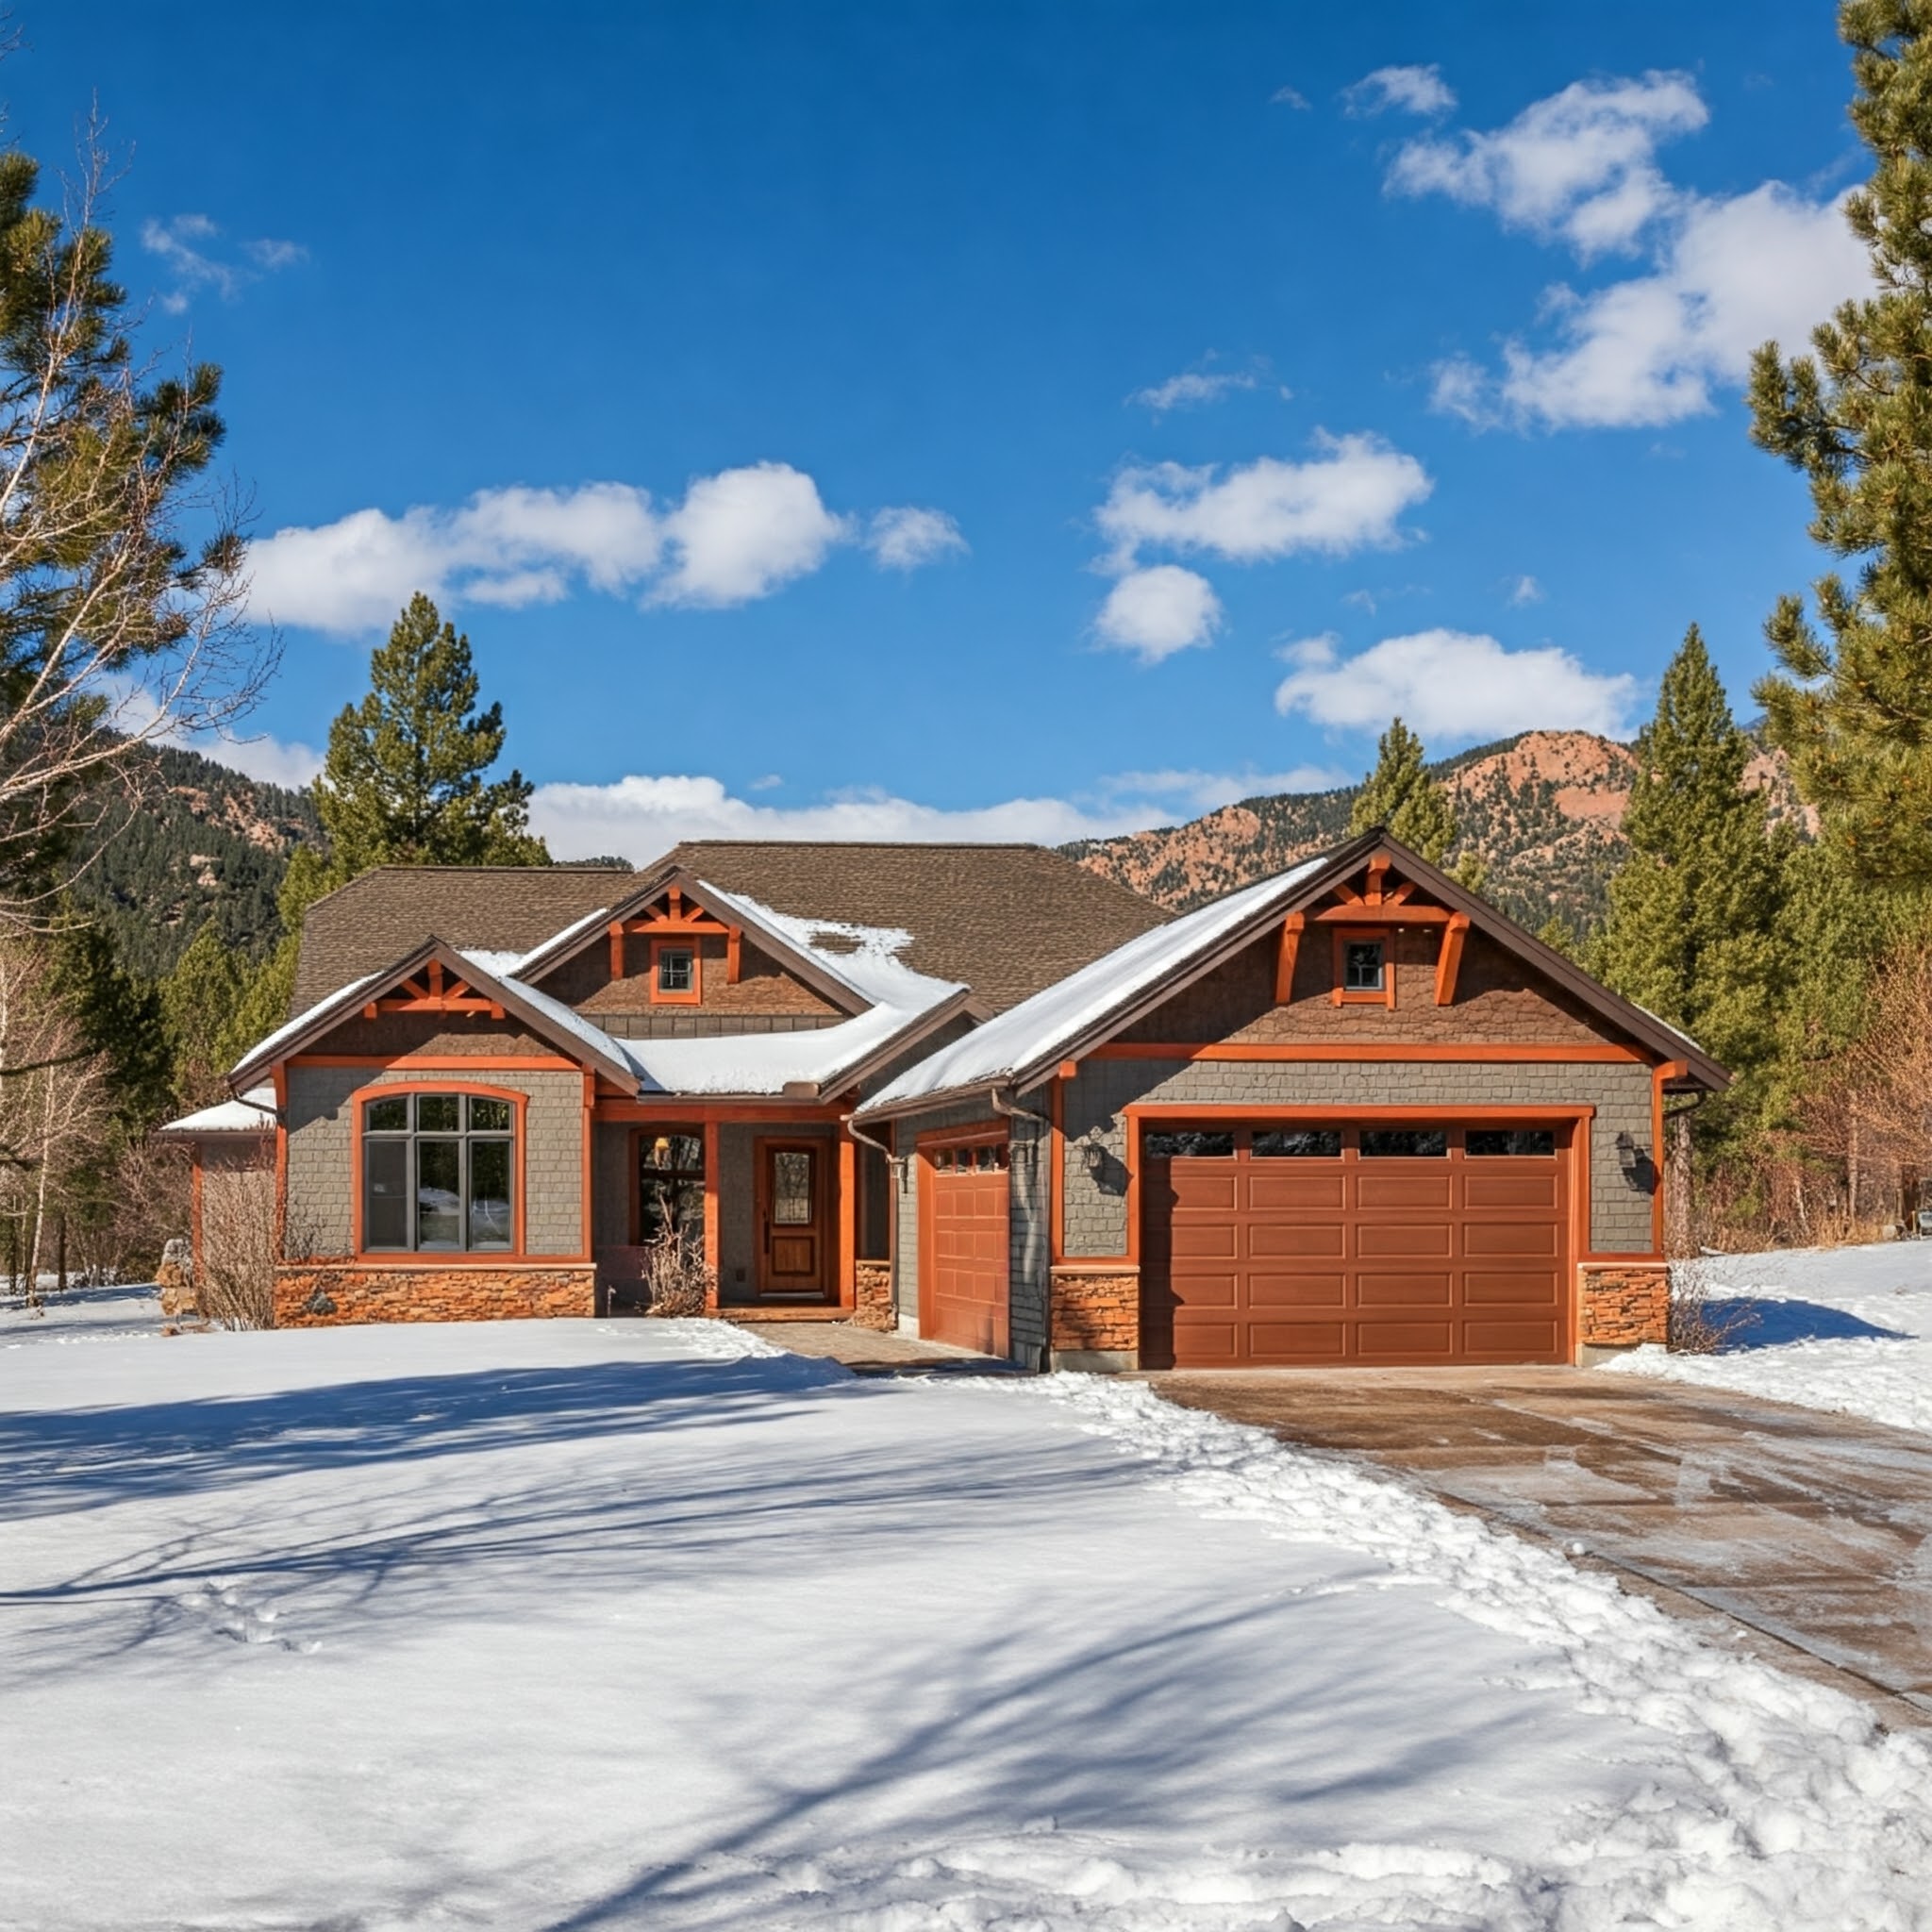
[(1621, 1305), (873, 1305), (1094, 1320)]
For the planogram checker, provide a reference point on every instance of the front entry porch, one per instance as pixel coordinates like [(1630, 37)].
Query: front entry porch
[(788, 1212)]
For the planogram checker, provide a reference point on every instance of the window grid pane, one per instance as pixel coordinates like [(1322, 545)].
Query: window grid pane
[(439, 1172)]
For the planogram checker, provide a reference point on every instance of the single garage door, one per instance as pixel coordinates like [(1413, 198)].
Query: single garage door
[(1307, 1245), (964, 1286)]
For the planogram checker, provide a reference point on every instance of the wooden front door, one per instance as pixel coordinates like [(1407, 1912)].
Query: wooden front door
[(793, 1195)]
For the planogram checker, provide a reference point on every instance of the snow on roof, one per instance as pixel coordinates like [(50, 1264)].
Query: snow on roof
[(862, 958), (514, 963), (253, 1112), (342, 998), (1036, 1030)]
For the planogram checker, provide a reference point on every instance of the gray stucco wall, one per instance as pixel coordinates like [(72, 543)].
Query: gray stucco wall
[(320, 1165), (1096, 1207)]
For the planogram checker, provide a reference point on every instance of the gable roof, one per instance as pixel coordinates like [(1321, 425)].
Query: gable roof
[(364, 927), (1004, 920), (1022, 1046), (547, 1018)]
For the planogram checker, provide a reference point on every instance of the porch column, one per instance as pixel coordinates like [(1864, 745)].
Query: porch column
[(712, 1206), (848, 1218)]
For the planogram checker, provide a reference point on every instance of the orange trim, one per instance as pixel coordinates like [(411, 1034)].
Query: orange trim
[(672, 1107), (194, 1206), (732, 938), (1348, 1111), (922, 1184), (279, 1074), (1378, 871), (442, 1260), (1284, 959), (971, 1135), (1383, 995), (616, 949), (389, 1090), (442, 1062), (848, 1219), (1056, 1172), (696, 996), (1670, 1070), (1352, 914), (1068, 1070), (1449, 960), (712, 1248), (1590, 1054)]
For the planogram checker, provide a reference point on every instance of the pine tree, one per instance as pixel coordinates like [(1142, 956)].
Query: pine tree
[(1694, 926), (121, 1018), (1855, 711), (1399, 795), (199, 999), (403, 781), (264, 1001)]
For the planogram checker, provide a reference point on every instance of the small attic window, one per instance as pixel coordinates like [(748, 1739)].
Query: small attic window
[(1361, 966), (1364, 969), (673, 972)]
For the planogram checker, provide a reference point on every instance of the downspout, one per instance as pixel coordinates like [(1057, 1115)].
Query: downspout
[(895, 1170)]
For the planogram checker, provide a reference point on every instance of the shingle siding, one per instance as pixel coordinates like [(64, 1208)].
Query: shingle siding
[(1096, 1207), (320, 1176)]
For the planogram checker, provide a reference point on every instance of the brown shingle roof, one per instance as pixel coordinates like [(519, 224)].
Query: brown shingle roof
[(1004, 920), (374, 919)]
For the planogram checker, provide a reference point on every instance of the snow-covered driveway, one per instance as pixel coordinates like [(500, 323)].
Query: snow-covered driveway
[(572, 1625)]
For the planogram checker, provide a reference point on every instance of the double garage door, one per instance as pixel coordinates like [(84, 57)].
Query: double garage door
[(1309, 1245)]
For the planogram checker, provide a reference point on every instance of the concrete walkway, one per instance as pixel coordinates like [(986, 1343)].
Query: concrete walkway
[(1812, 1531)]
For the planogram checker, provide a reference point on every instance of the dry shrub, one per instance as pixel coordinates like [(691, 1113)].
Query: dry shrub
[(675, 1277), (235, 1283), (1701, 1324)]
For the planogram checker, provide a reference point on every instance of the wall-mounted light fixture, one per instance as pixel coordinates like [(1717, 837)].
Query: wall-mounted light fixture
[(1093, 1155)]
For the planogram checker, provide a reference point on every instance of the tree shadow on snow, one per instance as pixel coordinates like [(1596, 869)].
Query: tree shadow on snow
[(1769, 1322)]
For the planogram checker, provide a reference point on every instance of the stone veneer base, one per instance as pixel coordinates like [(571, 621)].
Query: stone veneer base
[(322, 1294), (1096, 1314), (1621, 1304)]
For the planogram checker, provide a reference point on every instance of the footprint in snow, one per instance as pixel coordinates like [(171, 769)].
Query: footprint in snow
[(221, 1605)]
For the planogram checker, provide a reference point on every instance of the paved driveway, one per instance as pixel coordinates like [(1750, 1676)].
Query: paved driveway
[(1815, 1531)]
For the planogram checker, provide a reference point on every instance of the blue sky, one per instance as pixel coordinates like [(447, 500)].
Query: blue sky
[(981, 420)]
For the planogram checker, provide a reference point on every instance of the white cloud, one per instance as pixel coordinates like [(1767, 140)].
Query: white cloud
[(1580, 165), (1409, 89), (908, 538), (181, 241), (1525, 589), (270, 759), (1158, 611), (643, 816), (1726, 273), (1194, 387), (1289, 97), (1350, 495), (1451, 685), (737, 536), (741, 534), (507, 546)]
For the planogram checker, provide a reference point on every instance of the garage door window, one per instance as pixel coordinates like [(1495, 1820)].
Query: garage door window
[(987, 1159), (1531, 1140), (1190, 1146), (1406, 1143), (1299, 1143)]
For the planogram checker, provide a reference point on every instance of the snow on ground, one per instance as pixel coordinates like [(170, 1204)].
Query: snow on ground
[(569, 1624), (1848, 1329), (82, 1314)]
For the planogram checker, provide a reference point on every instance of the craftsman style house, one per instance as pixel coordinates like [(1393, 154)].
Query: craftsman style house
[(1351, 1114)]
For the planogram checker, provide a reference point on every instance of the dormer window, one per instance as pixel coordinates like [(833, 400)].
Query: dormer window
[(1364, 967), (674, 973)]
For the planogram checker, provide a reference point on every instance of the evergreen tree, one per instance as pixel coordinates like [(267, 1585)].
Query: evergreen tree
[(1854, 708), (1695, 927), (1399, 795), (265, 1000), (121, 1018), (403, 781), (199, 1000)]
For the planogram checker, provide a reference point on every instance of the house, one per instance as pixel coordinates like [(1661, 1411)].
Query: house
[(1349, 1115)]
